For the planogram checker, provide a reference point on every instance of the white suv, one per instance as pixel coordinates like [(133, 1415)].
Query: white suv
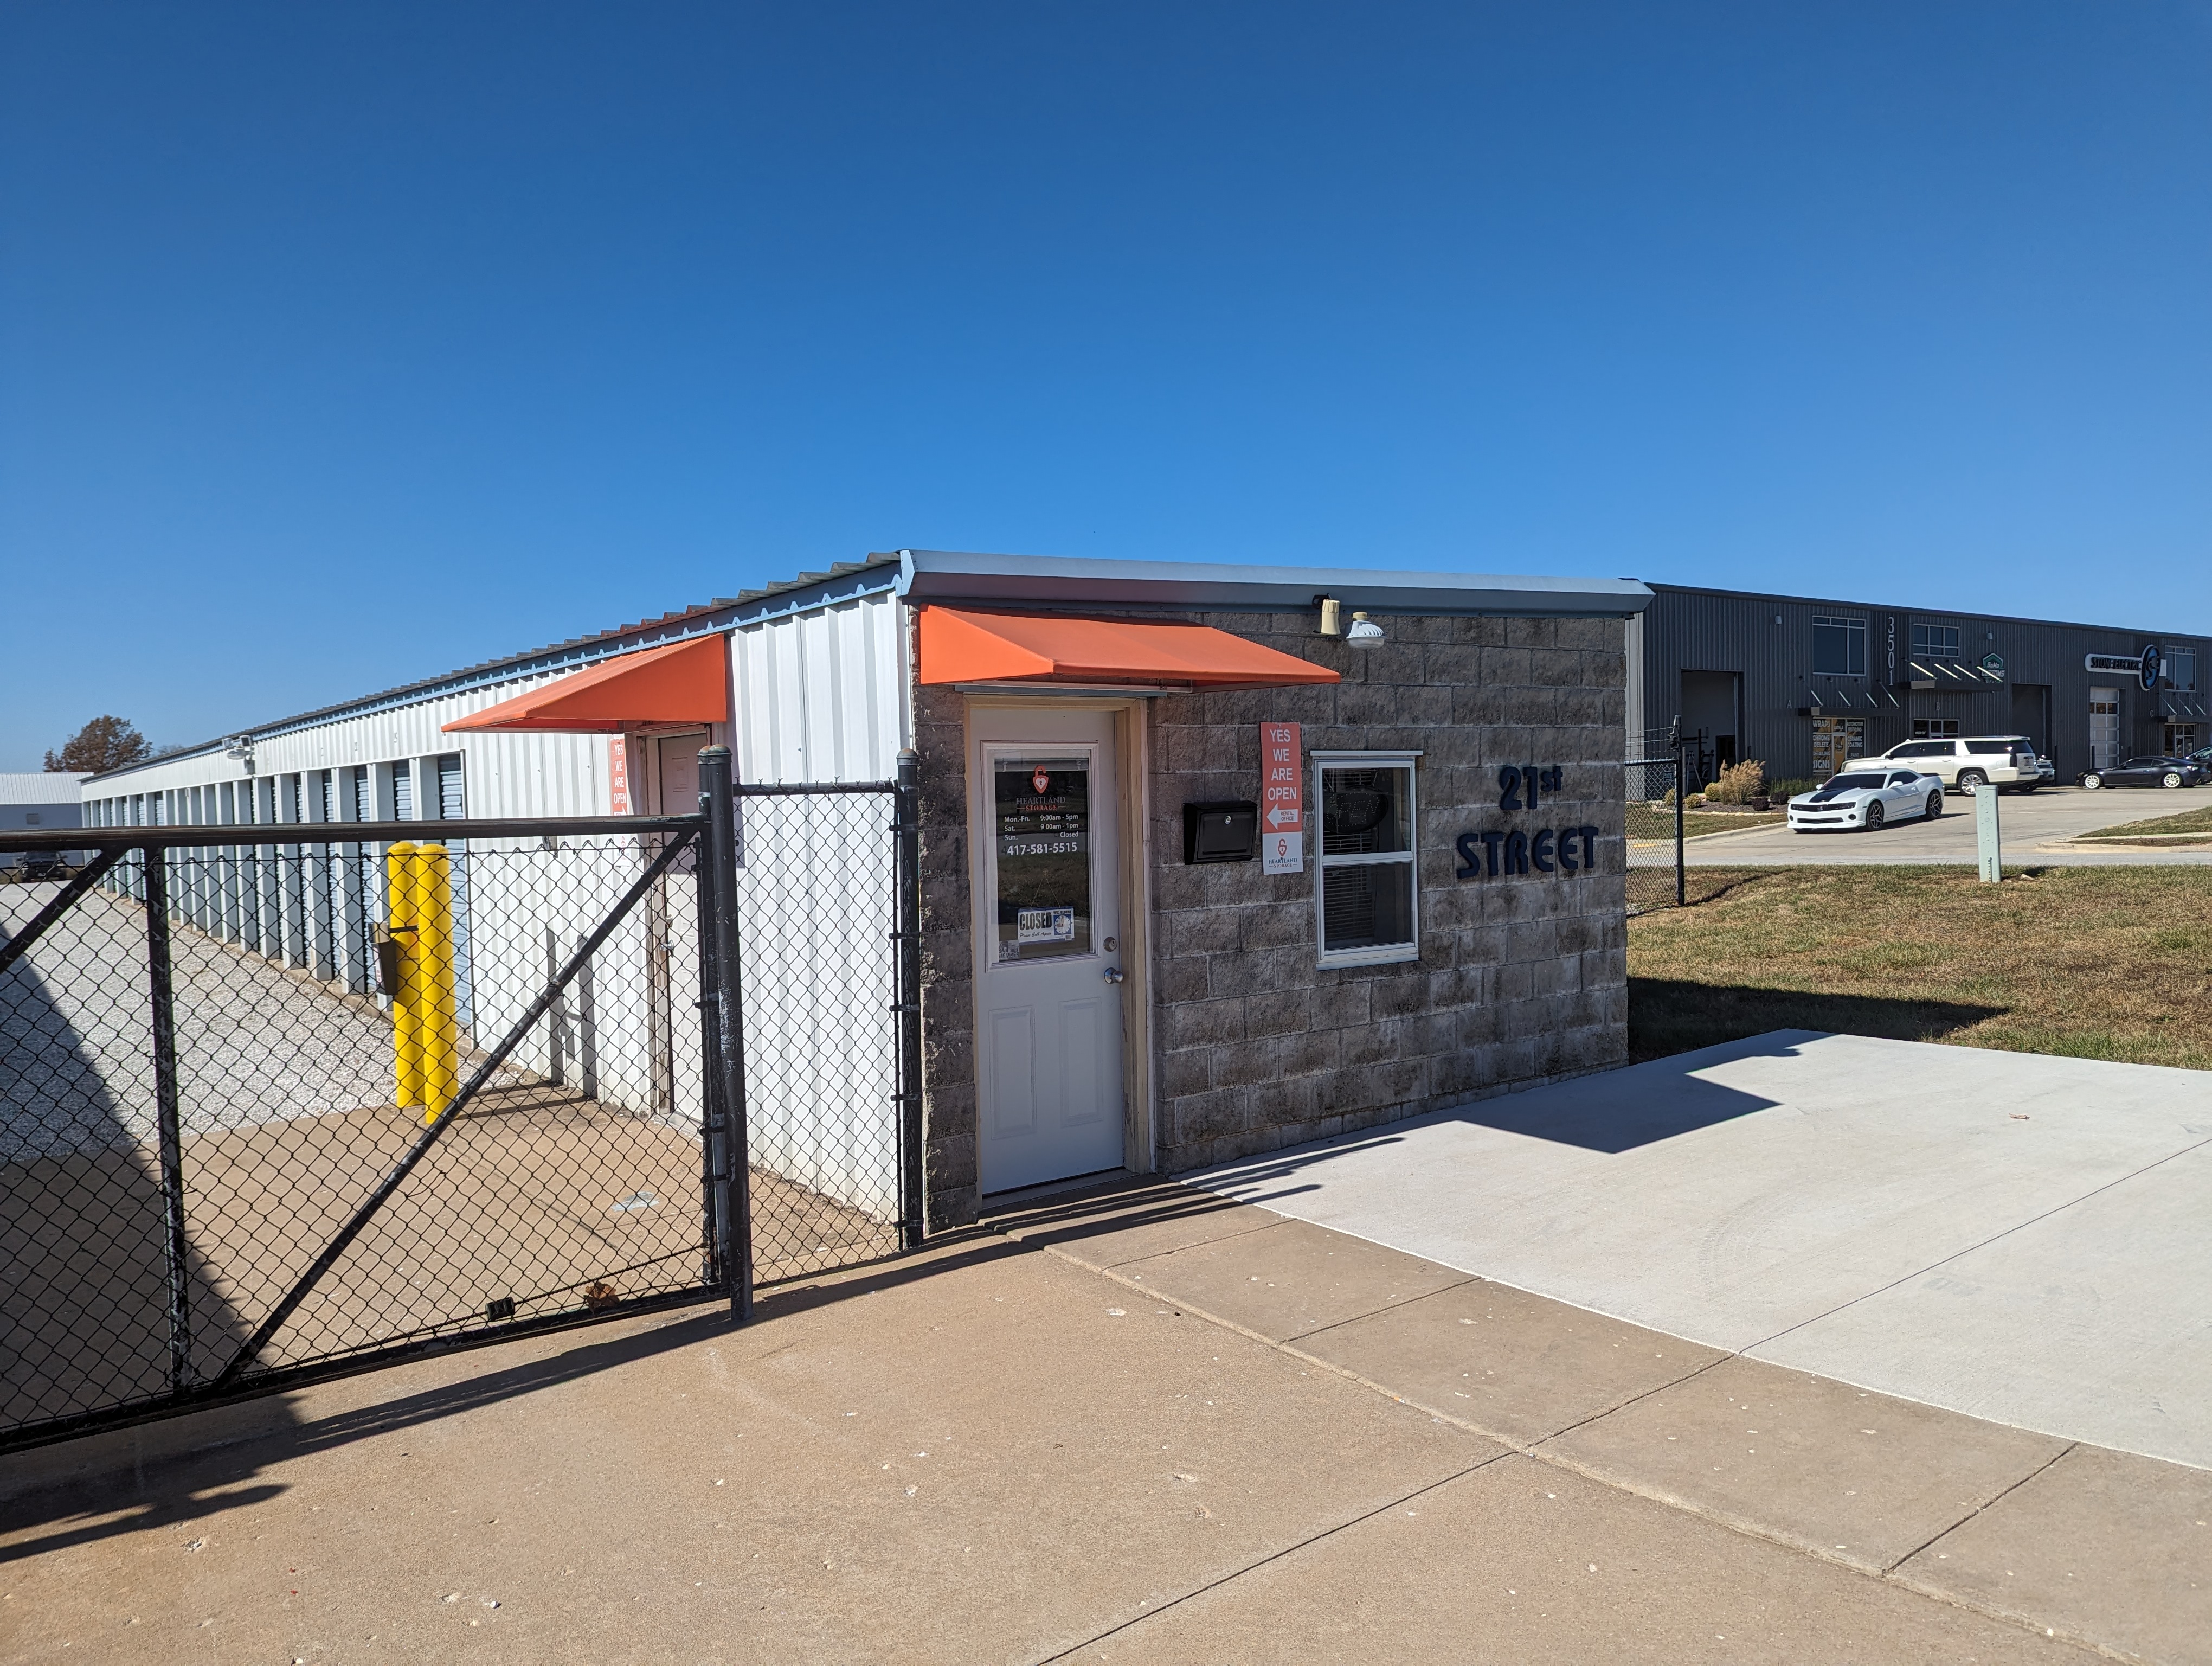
[(2005, 761)]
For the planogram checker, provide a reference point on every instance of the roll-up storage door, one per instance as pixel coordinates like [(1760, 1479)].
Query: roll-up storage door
[(452, 806)]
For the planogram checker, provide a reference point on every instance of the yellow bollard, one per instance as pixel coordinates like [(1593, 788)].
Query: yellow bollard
[(402, 905), (438, 1014)]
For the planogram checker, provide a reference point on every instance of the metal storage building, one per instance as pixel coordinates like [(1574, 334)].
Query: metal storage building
[(1802, 683), (1460, 940), (40, 799)]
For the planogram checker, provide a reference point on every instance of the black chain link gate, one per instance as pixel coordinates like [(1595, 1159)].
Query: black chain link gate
[(208, 1186)]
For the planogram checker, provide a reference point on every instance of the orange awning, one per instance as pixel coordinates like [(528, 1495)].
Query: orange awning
[(682, 683), (960, 644)]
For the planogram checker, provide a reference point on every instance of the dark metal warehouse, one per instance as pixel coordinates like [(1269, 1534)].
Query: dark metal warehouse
[(1802, 684)]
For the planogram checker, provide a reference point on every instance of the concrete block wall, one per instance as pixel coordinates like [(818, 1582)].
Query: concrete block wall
[(1519, 979), (1255, 1046)]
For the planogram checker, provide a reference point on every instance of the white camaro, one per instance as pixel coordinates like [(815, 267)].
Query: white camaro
[(1867, 797)]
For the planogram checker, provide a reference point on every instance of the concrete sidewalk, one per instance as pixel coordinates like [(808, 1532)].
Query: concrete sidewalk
[(2017, 1236), (1149, 1426)]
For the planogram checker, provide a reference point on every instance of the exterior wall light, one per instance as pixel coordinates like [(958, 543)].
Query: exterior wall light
[(1364, 632), (1332, 616)]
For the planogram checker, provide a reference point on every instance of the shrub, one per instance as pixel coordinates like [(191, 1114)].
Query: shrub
[(1783, 791), (1740, 783)]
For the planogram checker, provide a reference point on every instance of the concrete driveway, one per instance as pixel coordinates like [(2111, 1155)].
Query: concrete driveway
[(2028, 822), (2013, 1236), (1148, 1426)]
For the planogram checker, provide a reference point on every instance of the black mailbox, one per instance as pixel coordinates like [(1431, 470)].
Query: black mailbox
[(1226, 832)]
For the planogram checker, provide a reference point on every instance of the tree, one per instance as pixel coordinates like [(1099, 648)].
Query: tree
[(106, 743)]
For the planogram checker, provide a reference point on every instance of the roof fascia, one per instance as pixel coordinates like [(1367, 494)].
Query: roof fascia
[(1060, 581)]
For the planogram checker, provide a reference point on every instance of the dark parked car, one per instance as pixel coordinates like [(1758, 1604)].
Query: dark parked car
[(2156, 771)]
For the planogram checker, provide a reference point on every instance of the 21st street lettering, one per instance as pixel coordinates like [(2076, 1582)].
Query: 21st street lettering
[(1497, 852)]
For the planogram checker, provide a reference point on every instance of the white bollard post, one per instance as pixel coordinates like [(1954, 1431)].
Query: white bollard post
[(1985, 832)]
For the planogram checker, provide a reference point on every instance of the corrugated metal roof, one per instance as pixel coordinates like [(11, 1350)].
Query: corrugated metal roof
[(843, 581), (41, 787), (1039, 579), (2166, 634)]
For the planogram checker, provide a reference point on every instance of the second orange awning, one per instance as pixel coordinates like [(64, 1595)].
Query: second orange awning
[(962, 645), (682, 683)]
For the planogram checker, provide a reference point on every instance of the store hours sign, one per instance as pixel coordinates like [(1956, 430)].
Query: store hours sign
[(1526, 842)]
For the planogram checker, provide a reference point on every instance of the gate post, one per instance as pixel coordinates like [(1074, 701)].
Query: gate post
[(909, 936), (727, 1123), (169, 1135)]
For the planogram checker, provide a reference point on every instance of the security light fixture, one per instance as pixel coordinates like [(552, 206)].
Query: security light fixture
[(1332, 617), (1364, 632), (239, 747)]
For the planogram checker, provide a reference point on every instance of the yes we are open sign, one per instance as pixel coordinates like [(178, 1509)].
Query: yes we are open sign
[(1282, 800)]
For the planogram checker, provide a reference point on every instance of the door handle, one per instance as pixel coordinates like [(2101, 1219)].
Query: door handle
[(1113, 975)]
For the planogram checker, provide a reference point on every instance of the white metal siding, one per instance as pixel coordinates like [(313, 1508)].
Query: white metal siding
[(820, 694), (821, 697)]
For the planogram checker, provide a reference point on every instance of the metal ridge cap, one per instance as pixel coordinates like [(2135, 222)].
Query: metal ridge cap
[(959, 575)]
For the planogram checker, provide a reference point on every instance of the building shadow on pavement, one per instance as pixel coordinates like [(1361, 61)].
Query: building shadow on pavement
[(1667, 1016), (190, 1466)]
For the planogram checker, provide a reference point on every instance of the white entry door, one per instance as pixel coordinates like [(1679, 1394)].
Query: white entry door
[(1047, 942)]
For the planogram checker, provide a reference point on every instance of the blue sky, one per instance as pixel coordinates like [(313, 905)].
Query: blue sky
[(341, 346)]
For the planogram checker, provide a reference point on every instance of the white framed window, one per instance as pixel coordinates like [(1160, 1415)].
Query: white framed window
[(1366, 902)]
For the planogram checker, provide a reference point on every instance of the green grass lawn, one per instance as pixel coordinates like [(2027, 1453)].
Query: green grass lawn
[(2189, 821), (2093, 963), (1656, 821)]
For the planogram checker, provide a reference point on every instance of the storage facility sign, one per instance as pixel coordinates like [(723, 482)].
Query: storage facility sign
[(1282, 800)]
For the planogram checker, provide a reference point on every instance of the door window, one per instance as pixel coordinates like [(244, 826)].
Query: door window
[(1367, 899), (1041, 837), (1835, 741), (2104, 727)]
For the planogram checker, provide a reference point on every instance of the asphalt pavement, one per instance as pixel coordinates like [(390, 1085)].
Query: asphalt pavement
[(2029, 823)]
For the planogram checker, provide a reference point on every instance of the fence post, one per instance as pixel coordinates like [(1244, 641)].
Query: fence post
[(911, 1204), (717, 797), (1682, 792), (170, 1136)]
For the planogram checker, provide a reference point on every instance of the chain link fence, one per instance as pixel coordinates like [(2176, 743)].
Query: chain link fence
[(1654, 825), (269, 1110), (818, 884)]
